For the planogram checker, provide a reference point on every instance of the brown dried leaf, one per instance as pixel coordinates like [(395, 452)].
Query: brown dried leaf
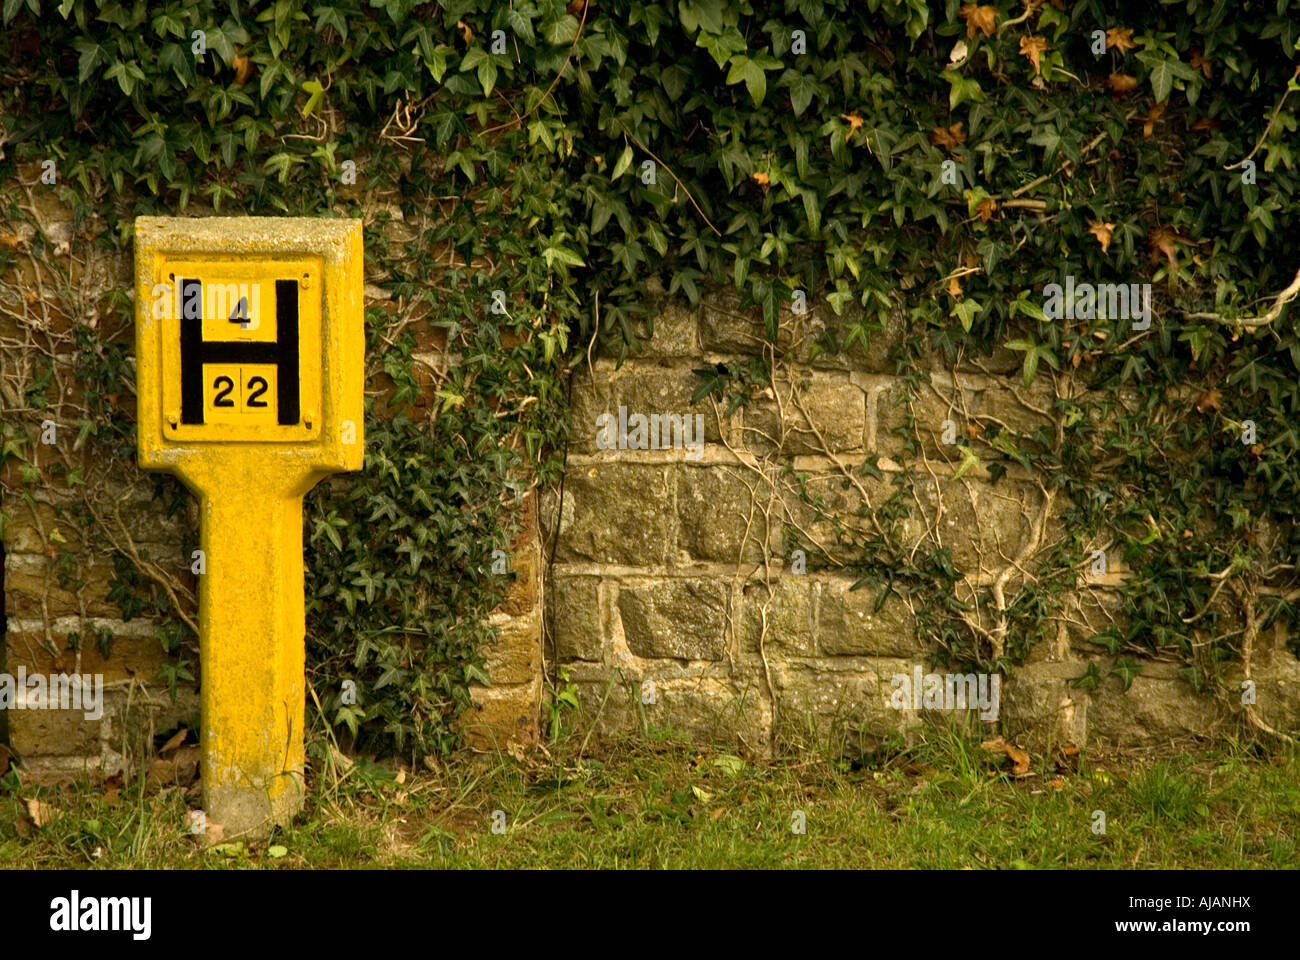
[(1033, 48), (42, 813), (180, 769), (1153, 117), (948, 137), (1162, 239), (986, 208), (854, 122), (176, 740), (1102, 232), (1210, 400), (1198, 62), (762, 179), (981, 18), (1121, 83), (242, 67), (466, 32), (1020, 761), (954, 288), (1205, 123), (1120, 39), (718, 813), (113, 788)]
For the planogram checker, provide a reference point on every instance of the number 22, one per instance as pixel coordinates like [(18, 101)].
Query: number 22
[(223, 385)]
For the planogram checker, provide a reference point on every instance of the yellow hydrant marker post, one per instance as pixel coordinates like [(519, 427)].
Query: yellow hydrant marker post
[(250, 343)]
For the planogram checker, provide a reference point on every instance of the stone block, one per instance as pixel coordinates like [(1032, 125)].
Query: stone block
[(53, 733), (979, 522), (835, 422), (516, 657), (789, 616), (1040, 710), (646, 388), (616, 513), (576, 618), (842, 709), (717, 518), (705, 709), (502, 715), (976, 404), (673, 331), (684, 619), (848, 623), (1159, 708)]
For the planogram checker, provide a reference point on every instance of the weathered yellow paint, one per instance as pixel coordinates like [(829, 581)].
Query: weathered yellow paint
[(250, 471)]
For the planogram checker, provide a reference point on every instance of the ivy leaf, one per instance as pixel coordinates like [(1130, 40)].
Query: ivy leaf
[(487, 75), (1088, 680), (968, 460), (963, 88), (722, 46), (91, 55), (437, 64), (520, 25), (812, 211), (703, 15), (1127, 670), (714, 382), (560, 32), (966, 311), (1047, 138), (563, 255), (674, 80), (333, 17), (1162, 81), (624, 161), (1033, 353), (331, 533), (1110, 639), (801, 86), (1164, 71)]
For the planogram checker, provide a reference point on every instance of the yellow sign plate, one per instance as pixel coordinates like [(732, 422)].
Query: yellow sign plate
[(250, 331), (241, 356)]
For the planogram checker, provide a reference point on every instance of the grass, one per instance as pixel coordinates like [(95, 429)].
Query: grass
[(659, 802)]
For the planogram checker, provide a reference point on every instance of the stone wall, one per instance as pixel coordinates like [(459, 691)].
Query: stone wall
[(668, 566), (674, 598)]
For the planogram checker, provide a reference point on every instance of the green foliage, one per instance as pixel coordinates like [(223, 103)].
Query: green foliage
[(688, 142)]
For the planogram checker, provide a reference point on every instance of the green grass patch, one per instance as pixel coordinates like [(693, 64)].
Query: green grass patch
[(945, 802)]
